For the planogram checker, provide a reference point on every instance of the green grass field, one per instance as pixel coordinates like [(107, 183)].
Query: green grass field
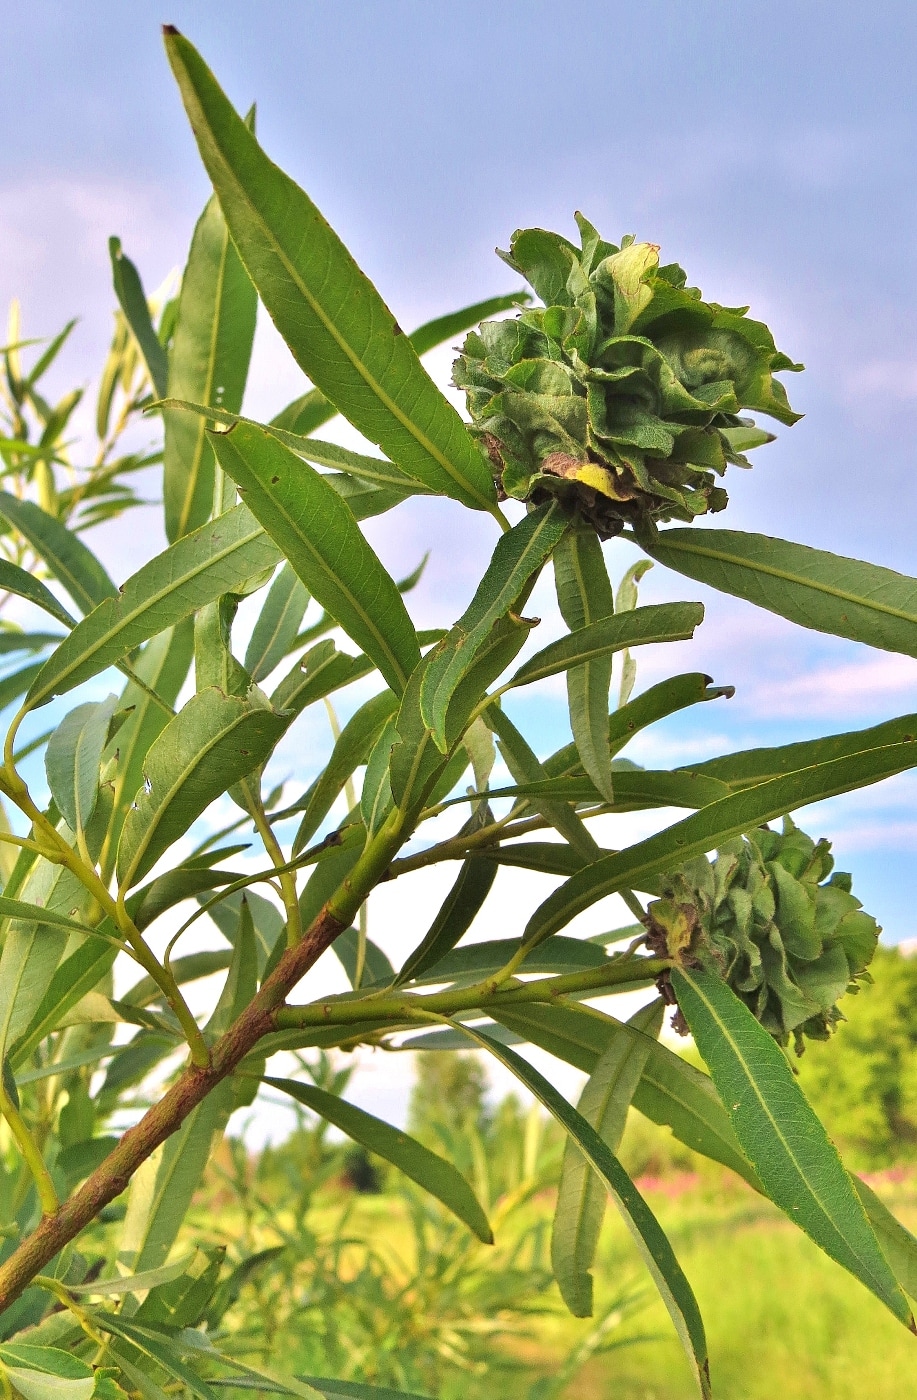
[(782, 1319)]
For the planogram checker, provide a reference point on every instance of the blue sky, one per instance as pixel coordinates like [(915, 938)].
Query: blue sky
[(769, 149)]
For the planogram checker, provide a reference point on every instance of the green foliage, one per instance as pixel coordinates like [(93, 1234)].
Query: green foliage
[(615, 405), (766, 917), (864, 1084), (622, 395)]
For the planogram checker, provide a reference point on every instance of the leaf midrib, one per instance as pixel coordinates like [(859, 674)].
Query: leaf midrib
[(731, 1041), (278, 505), (786, 576), (176, 786), (201, 434), (152, 600), (332, 330)]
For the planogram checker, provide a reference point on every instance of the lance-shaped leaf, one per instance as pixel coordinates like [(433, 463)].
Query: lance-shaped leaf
[(78, 974), (73, 759), (660, 622), (584, 596), (163, 665), (748, 767), (670, 1091), (25, 585), (218, 558), (321, 671), (132, 299), (312, 409), (674, 1094), (352, 748), (46, 1373), (432, 1172), (524, 766), (477, 960), (321, 539), (71, 563), (32, 950), (208, 363), (516, 561), (580, 1207), (158, 1348), (418, 762), (461, 906), (374, 470), (278, 624), (708, 828), (337, 326), (827, 592), (210, 744), (635, 789), (660, 700), (785, 1142), (653, 1244), (376, 968)]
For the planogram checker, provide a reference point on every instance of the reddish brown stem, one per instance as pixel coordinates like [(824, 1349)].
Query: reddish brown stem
[(165, 1117)]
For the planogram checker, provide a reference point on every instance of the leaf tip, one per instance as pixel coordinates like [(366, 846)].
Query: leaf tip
[(169, 31)]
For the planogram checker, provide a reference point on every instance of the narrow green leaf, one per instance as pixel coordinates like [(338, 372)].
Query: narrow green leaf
[(478, 960), (826, 592), (644, 1228), (320, 537), (161, 1350), (516, 561), (376, 793), (660, 700), (670, 1092), (458, 910), (321, 671), (187, 969), (163, 666), (132, 300), (674, 1094), (242, 978), (25, 585), (12, 686), (418, 762), (431, 1172), (78, 974), (660, 622), (585, 597), (147, 904), (210, 744), (337, 326), (748, 767), (208, 363), (73, 759), (312, 409), (352, 748), (898, 1244), (377, 969), (580, 1207), (218, 558), (278, 624), (795, 1160), (525, 768), (69, 560), (42, 1384), (31, 950), (373, 470), (708, 828), (635, 790), (27, 641)]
